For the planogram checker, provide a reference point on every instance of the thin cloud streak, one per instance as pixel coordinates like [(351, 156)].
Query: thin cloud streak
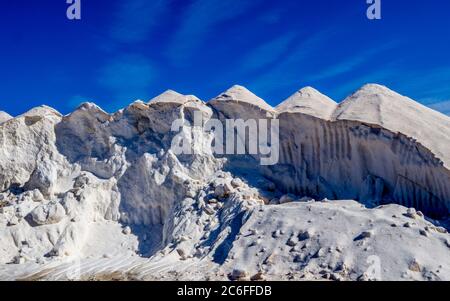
[(267, 53), (288, 71), (443, 107), (350, 64), (127, 77), (199, 20), (135, 19)]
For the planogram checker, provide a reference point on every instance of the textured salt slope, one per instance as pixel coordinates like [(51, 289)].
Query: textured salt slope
[(340, 159), (92, 195), (377, 105)]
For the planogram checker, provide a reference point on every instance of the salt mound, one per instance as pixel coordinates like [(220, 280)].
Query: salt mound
[(241, 94), (171, 96), (4, 117), (378, 105), (91, 109), (41, 111), (308, 101), (89, 106)]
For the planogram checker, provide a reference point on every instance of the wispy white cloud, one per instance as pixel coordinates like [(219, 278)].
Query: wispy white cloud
[(135, 19), (295, 70), (128, 78), (287, 72), (267, 53), (428, 84), (349, 64), (198, 20), (442, 106), (273, 16)]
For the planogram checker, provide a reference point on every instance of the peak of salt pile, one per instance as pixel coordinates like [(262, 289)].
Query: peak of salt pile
[(171, 96), (241, 94), (308, 101), (376, 89), (372, 103), (91, 109), (42, 111), (4, 116), (89, 106), (137, 104)]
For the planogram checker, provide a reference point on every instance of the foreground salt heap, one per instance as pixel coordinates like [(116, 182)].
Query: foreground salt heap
[(92, 194)]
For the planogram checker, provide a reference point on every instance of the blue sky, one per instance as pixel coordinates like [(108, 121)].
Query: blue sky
[(135, 49)]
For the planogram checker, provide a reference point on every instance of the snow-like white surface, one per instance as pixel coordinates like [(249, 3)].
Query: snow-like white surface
[(97, 196), (171, 96), (241, 94), (334, 246), (308, 101), (43, 111), (271, 241)]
